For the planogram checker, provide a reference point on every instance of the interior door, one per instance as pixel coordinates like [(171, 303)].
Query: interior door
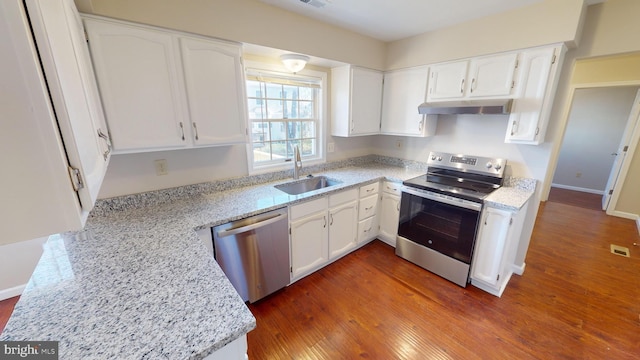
[(61, 44), (632, 123)]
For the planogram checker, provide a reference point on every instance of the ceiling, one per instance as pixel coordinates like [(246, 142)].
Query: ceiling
[(389, 20)]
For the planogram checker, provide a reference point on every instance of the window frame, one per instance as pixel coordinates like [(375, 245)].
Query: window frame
[(278, 70)]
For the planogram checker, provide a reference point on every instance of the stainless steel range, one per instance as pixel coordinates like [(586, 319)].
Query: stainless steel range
[(440, 212)]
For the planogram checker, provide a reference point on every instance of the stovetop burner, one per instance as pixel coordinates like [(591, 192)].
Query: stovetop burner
[(467, 177)]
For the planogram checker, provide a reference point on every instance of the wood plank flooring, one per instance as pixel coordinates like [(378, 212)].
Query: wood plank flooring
[(575, 300), (576, 198)]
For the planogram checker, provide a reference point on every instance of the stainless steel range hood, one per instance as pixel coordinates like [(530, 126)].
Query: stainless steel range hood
[(478, 107)]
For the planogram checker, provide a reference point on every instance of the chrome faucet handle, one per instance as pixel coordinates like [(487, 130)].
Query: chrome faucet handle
[(297, 162)]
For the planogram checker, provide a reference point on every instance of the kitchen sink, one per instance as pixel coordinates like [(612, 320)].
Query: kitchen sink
[(309, 184)]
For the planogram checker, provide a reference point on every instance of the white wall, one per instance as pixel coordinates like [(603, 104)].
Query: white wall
[(17, 262), (594, 130)]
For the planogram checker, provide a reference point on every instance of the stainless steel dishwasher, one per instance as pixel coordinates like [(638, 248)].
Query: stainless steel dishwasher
[(254, 253)]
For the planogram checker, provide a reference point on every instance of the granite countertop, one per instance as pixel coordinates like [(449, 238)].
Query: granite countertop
[(137, 282)]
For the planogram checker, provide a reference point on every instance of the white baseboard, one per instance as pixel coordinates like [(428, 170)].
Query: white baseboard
[(518, 269), (575, 188), (11, 292)]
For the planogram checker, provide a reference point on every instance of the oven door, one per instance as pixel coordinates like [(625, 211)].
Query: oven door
[(442, 223)]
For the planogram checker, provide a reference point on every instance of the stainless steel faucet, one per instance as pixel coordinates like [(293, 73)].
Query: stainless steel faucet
[(297, 162)]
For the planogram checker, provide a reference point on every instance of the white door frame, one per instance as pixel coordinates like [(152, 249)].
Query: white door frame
[(630, 129), (626, 163)]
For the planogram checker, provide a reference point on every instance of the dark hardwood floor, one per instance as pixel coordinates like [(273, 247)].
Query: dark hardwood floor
[(6, 308), (576, 198), (575, 300)]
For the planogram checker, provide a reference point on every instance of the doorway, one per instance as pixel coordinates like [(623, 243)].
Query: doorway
[(590, 156)]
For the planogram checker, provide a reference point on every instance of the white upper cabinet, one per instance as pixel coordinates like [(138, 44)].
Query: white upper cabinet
[(356, 97), (403, 91), (530, 113), (482, 77), (140, 86), (165, 90), (51, 121), (447, 81), (213, 75)]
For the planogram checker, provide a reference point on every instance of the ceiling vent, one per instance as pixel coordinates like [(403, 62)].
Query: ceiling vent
[(315, 3)]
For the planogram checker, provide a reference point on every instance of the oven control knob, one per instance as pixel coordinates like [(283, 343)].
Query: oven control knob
[(433, 157), (439, 158), (498, 167), (489, 165)]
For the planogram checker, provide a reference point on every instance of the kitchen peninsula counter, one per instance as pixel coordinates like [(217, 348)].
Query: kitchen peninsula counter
[(138, 282)]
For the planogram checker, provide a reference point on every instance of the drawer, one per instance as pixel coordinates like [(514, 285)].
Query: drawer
[(307, 208), (392, 187), (367, 229), (367, 207), (369, 189), (343, 197)]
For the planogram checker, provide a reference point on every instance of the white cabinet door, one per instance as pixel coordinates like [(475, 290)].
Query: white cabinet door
[(343, 227), (309, 244), (447, 81), (403, 91), (356, 98), (388, 218), (488, 257), (63, 51), (530, 113), (492, 75), (212, 72), (140, 86)]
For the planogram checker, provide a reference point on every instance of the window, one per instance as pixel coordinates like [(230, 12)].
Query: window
[(284, 112)]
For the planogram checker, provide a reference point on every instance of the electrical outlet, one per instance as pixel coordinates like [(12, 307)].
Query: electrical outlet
[(161, 167), (398, 144), (578, 174), (331, 147)]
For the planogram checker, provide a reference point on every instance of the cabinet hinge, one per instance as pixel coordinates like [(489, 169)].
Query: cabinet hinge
[(76, 178), (611, 192), (498, 277), (289, 231), (625, 148), (291, 269)]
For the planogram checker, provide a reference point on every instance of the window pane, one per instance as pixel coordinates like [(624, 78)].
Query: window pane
[(274, 91), (279, 150), (293, 130), (253, 89), (262, 152), (291, 146), (259, 131), (290, 110), (291, 92), (256, 109), (306, 110), (308, 147), (308, 129), (305, 93), (274, 109), (278, 130)]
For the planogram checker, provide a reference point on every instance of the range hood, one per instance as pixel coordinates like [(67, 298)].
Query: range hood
[(477, 107)]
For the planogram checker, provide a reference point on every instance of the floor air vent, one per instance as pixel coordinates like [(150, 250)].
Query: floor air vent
[(619, 250)]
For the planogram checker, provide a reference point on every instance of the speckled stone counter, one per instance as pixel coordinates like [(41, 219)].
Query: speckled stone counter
[(513, 195), (138, 283)]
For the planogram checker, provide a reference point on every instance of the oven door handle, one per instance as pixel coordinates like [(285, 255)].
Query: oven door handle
[(447, 200)]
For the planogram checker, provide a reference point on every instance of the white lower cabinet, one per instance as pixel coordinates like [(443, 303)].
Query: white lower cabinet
[(389, 212), (495, 249), (322, 230), (367, 213)]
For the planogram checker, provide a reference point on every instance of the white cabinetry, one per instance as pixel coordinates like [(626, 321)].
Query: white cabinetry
[(322, 230), (309, 237), (389, 212), (51, 119), (538, 80), (367, 213), (495, 249), (482, 77), (356, 97), (403, 91), (165, 90)]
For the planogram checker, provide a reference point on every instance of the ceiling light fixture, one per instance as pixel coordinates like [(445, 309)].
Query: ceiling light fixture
[(294, 62)]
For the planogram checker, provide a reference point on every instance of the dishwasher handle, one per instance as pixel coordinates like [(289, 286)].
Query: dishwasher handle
[(242, 229)]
